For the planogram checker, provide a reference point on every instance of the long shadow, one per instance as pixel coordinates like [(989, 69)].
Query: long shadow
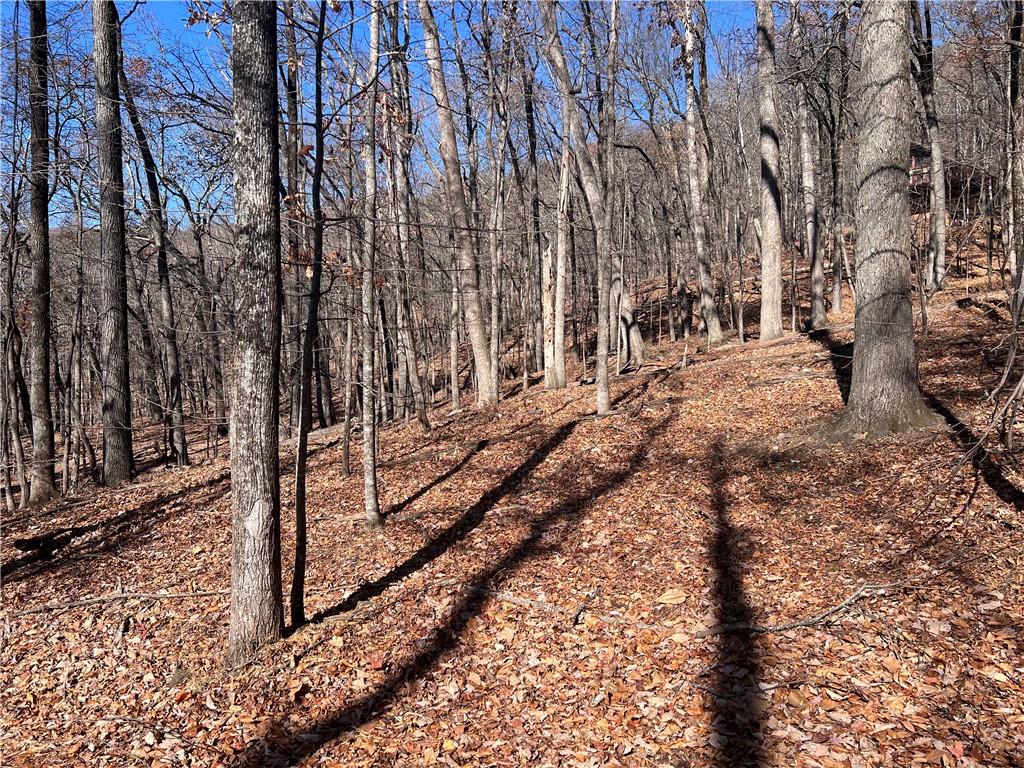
[(841, 357), (987, 466), (453, 533), (289, 748), (48, 551), (412, 498), (737, 701)]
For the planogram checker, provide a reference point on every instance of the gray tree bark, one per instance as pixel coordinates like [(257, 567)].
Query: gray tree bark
[(371, 502), (812, 244), (771, 175), (118, 459), (158, 231), (708, 310), (469, 280), (42, 487), (592, 189), (884, 395), (924, 74), (256, 610)]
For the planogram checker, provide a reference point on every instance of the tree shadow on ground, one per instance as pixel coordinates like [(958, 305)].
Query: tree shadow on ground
[(48, 552), (986, 465), (448, 473), (840, 356), (455, 532), (559, 519), (737, 701)]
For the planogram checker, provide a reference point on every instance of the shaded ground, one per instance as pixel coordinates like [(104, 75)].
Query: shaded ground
[(544, 587)]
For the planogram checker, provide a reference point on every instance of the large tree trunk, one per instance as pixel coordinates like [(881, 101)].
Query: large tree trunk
[(42, 486), (708, 310), (118, 459), (256, 611), (158, 231), (771, 178), (884, 395), (469, 279)]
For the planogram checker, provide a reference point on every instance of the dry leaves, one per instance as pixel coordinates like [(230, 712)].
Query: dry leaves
[(448, 638)]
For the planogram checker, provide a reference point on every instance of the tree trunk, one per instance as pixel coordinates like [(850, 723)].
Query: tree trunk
[(594, 192), (371, 503), (708, 310), (158, 231), (924, 73), (453, 344), (402, 132), (771, 179), (561, 248), (256, 610), (812, 250), (118, 459), (460, 213), (884, 395), (42, 485), (310, 336)]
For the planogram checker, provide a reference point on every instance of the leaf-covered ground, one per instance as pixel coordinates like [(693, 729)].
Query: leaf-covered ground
[(552, 589)]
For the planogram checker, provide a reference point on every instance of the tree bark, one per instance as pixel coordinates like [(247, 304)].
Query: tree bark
[(371, 503), (812, 250), (42, 486), (256, 610), (158, 231), (469, 279), (924, 74), (771, 178), (708, 310), (884, 394), (118, 459), (311, 334), (594, 192)]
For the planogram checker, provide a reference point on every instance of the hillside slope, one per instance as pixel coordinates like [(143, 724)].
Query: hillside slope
[(699, 579)]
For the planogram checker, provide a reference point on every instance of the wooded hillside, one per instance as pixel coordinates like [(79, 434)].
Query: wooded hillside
[(511, 383)]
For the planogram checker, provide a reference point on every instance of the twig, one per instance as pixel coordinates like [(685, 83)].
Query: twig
[(116, 597), (582, 607), (861, 592)]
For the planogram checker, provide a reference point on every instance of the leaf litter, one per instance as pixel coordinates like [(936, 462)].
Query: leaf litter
[(552, 589)]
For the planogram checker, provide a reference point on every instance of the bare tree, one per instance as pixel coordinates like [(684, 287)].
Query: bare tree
[(42, 487), (311, 333), (158, 233), (771, 178), (468, 278), (924, 73), (256, 611), (708, 309), (371, 503), (118, 458), (593, 189), (811, 240), (884, 395)]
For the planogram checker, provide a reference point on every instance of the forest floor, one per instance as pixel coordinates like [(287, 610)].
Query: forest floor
[(552, 589)]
